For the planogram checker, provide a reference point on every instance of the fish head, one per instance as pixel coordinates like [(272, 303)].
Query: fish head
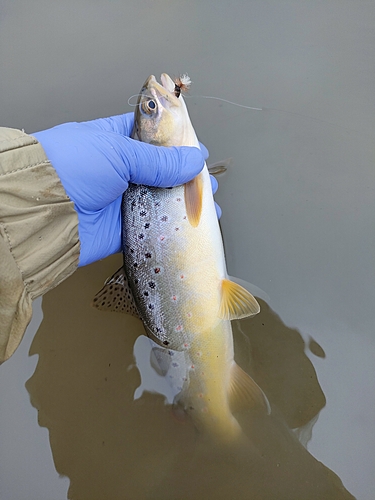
[(161, 117)]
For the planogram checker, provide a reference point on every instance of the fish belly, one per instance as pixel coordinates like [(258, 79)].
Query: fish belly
[(206, 397)]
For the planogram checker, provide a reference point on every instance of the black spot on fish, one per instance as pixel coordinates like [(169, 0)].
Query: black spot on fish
[(143, 192), (145, 294), (148, 255), (166, 342), (157, 270), (147, 225), (151, 306), (151, 284), (135, 264), (164, 218), (142, 213), (135, 282), (141, 236)]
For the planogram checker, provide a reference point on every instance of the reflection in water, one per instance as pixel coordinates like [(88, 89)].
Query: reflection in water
[(114, 447)]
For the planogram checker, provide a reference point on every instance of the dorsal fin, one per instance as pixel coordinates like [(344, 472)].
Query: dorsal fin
[(194, 199), (236, 302), (244, 392), (116, 295)]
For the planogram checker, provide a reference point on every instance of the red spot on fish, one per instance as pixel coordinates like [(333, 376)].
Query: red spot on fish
[(157, 270), (176, 228), (162, 238), (178, 199), (179, 328), (189, 315), (192, 367), (200, 395), (174, 297), (186, 345), (182, 276)]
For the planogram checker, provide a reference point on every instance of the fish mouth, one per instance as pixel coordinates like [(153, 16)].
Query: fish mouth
[(165, 90)]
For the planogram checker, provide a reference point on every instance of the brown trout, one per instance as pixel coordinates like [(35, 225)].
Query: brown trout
[(174, 276)]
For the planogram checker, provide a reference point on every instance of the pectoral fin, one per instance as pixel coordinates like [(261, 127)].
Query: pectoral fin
[(116, 295), (220, 166), (244, 392), (236, 302), (194, 199)]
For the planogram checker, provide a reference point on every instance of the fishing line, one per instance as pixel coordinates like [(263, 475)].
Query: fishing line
[(136, 95), (294, 113), (223, 100)]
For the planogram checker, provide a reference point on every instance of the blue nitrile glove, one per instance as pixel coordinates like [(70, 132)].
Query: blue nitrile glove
[(96, 160), (214, 186)]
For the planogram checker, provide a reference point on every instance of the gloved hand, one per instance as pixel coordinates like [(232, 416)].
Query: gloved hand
[(96, 160)]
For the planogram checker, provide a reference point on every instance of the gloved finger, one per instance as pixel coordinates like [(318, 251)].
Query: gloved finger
[(121, 124), (214, 184), (163, 167), (204, 150), (218, 210)]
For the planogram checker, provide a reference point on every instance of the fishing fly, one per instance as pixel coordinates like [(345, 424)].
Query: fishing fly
[(181, 84)]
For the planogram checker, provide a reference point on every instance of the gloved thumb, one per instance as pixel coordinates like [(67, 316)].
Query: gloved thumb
[(164, 167)]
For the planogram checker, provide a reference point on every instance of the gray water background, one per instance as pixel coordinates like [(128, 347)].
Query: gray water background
[(298, 204)]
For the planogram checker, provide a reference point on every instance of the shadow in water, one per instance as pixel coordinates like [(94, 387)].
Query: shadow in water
[(112, 447)]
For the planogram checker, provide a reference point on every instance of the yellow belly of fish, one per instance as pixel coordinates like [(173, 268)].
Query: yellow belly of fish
[(207, 397)]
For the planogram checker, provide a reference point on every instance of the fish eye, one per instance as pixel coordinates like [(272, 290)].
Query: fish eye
[(149, 106)]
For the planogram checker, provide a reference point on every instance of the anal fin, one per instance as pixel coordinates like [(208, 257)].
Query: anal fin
[(244, 392), (236, 301), (116, 295), (194, 199)]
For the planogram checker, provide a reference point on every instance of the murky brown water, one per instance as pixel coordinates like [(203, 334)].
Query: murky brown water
[(298, 210)]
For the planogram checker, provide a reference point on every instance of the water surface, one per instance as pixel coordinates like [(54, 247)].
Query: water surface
[(298, 222)]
